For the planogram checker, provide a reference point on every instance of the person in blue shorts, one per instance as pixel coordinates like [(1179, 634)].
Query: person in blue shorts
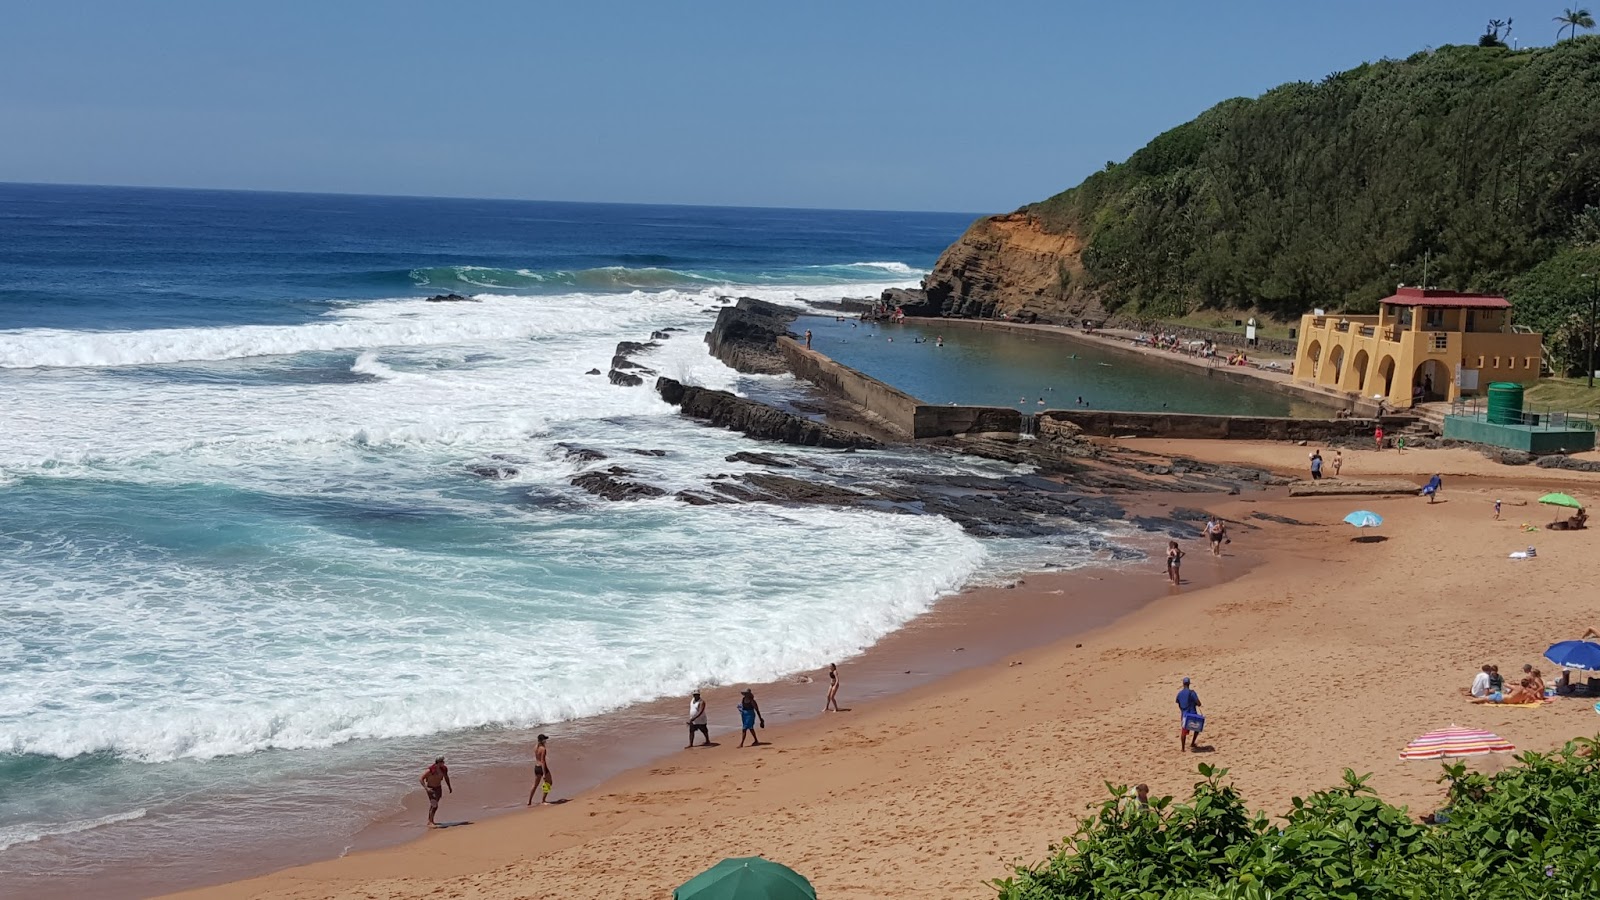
[(749, 715), (1188, 705)]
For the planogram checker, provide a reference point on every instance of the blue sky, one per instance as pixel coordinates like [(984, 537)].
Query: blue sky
[(971, 107)]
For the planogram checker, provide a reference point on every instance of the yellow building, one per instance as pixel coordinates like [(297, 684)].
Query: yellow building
[(1422, 345)]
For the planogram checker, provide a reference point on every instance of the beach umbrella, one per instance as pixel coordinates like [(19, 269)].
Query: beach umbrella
[(1561, 500), (1583, 655), (746, 878), (1453, 742), (1362, 518)]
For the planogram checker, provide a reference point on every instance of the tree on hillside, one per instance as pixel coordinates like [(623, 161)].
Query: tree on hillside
[(1573, 19), (1492, 37)]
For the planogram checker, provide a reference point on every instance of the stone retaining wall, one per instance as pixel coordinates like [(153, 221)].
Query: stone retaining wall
[(1109, 423), (896, 408)]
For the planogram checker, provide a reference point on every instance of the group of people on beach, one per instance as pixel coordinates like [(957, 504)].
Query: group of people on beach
[(435, 780), (1489, 686)]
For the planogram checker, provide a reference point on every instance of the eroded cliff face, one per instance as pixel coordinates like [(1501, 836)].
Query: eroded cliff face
[(1010, 265)]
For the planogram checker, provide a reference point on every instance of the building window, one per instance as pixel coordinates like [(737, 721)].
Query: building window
[(1529, 363), (1441, 342), (1497, 362), (1480, 362)]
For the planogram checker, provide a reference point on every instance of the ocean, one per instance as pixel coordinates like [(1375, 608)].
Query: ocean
[(241, 546)]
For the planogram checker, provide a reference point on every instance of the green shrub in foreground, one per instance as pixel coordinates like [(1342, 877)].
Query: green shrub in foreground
[(1530, 832)]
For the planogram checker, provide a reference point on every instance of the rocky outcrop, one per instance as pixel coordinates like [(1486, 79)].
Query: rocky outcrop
[(1558, 461), (746, 334), (451, 298), (624, 371), (1010, 265), (757, 420), (581, 454), (612, 484)]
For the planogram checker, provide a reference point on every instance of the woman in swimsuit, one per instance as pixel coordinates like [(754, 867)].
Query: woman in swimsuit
[(832, 703), (1174, 561)]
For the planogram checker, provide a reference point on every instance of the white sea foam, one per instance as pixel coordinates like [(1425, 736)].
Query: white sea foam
[(30, 832), (519, 613), (897, 268)]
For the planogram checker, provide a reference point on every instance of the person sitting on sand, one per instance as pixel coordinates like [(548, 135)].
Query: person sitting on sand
[(1497, 682), (1480, 682), (1576, 523)]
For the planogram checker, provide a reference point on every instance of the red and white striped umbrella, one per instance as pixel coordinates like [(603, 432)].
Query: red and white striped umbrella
[(1452, 742)]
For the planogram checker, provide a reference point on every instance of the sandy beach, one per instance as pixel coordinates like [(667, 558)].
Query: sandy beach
[(1328, 654)]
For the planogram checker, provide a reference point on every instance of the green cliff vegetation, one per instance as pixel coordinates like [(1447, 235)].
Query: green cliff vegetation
[(1529, 832), (1481, 162)]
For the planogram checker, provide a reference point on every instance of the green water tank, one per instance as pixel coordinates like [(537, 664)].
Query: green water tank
[(1505, 403)]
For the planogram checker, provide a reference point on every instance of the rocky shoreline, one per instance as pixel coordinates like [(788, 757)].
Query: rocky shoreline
[(1061, 480)]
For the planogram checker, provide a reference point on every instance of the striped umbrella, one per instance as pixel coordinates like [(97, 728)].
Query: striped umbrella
[(1453, 742)]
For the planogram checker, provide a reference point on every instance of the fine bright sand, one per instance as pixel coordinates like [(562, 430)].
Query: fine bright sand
[(1330, 654)]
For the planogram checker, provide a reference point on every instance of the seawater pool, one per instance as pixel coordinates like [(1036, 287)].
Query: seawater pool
[(1005, 368)]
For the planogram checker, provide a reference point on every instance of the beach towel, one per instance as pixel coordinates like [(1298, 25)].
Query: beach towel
[(1532, 704)]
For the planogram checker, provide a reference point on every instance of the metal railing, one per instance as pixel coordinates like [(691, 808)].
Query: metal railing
[(1536, 417)]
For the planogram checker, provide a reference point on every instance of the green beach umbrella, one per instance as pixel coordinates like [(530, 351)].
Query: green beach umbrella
[(746, 878), (1561, 500)]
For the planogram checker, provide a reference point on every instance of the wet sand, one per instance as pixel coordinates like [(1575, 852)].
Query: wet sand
[(1330, 653)]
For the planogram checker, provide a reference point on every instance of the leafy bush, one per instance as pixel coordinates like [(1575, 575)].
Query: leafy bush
[(1529, 832)]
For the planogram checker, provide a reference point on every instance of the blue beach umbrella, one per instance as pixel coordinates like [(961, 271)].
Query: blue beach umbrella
[(1583, 655), (1362, 518)]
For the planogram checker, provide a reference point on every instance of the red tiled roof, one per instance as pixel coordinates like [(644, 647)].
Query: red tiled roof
[(1409, 296)]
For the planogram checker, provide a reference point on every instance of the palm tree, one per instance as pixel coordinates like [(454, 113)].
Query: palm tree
[(1574, 19)]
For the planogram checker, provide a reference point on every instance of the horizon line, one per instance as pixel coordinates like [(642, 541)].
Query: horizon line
[(306, 193)]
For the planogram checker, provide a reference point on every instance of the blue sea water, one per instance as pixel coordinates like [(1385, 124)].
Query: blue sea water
[(239, 539)]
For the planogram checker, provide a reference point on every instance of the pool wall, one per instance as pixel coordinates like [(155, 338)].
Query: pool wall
[(909, 417)]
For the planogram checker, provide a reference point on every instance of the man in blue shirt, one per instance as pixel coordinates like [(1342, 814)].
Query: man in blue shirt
[(1188, 704)]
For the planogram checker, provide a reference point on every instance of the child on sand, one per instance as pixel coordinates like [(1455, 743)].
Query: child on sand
[(1377, 435), (1497, 510)]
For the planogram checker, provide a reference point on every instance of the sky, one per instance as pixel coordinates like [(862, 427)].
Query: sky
[(966, 107)]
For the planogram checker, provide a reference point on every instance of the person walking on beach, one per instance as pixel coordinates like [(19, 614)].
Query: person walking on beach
[(697, 720), (1216, 533), (1174, 562), (1188, 705), (1338, 462), (434, 776), (832, 703), (1316, 465), (749, 715), (1497, 510), (1377, 435), (541, 771)]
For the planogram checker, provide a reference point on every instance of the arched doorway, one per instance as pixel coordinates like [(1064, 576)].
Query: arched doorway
[(1308, 364), (1385, 377), (1358, 369), (1334, 367), (1431, 382)]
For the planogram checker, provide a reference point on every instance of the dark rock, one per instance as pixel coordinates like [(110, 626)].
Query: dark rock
[(796, 490), (696, 498), (659, 335), (759, 459), (745, 336), (592, 372), (914, 302), (1557, 461), (494, 473), (758, 420), (451, 298), (648, 452), (624, 379), (1281, 520), (611, 485), (1190, 514), (736, 491), (581, 454), (1508, 457)]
